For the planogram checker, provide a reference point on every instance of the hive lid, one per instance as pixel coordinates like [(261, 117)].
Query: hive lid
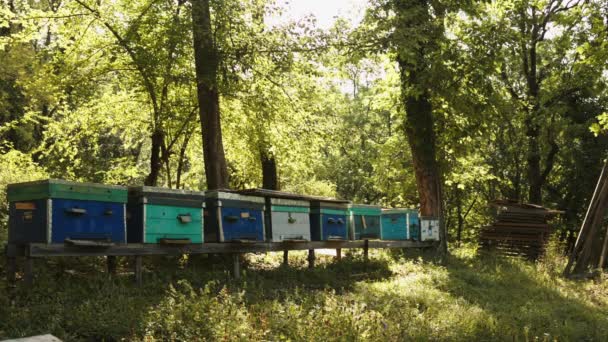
[(288, 195), (158, 192), (289, 202), (232, 196), (365, 209), (56, 188), (398, 211)]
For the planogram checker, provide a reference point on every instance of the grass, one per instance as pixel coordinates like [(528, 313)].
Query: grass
[(394, 297)]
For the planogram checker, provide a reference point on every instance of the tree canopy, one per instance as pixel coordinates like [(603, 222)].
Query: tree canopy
[(444, 105)]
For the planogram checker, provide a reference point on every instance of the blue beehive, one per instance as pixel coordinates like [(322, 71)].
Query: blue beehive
[(400, 224), (329, 219), (53, 211), (232, 217)]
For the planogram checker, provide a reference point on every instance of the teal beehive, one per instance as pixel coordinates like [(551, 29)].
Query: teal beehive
[(400, 224), (365, 221), (160, 215)]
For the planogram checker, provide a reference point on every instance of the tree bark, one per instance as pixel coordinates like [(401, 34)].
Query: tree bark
[(206, 60), (420, 132), (416, 74), (270, 179), (155, 158)]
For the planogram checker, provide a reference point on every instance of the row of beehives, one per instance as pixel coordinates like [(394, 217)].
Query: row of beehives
[(56, 211)]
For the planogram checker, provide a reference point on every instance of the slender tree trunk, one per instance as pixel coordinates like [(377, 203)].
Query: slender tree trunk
[(460, 216), (155, 158), (207, 62), (270, 179), (180, 162)]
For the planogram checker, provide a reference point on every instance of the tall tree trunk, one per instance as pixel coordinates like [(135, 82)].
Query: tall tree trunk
[(416, 55), (206, 60), (270, 179), (420, 132), (460, 216)]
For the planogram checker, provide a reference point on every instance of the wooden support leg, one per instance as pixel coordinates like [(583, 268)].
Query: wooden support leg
[(29, 271), (11, 269), (311, 258), (285, 258), (111, 262), (138, 270), (366, 250), (339, 254), (237, 266)]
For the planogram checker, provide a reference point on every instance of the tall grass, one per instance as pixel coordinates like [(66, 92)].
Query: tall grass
[(394, 297)]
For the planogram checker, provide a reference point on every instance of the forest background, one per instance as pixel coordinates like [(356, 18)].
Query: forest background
[(514, 93)]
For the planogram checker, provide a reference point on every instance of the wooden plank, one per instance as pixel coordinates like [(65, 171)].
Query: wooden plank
[(46, 250), (511, 238), (523, 225)]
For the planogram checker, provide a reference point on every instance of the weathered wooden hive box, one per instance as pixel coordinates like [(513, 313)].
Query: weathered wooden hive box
[(329, 219), (365, 221), (400, 224), (53, 211), (287, 215), (289, 219), (429, 229), (160, 215), (233, 217)]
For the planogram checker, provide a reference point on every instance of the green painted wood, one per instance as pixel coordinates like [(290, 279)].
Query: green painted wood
[(54, 188), (367, 210), (162, 221)]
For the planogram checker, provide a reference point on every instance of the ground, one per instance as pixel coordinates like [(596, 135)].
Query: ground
[(395, 296)]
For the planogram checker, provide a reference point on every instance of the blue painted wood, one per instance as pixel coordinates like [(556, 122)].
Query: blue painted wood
[(230, 216), (327, 226), (242, 224), (75, 219)]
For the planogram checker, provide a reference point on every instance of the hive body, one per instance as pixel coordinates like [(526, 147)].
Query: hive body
[(400, 224), (231, 217), (52, 211), (289, 219), (365, 221), (165, 215), (329, 220)]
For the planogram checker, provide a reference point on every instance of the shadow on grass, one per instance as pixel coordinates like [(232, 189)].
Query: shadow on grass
[(525, 302), (75, 299)]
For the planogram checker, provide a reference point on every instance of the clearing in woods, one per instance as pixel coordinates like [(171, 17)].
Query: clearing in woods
[(392, 297)]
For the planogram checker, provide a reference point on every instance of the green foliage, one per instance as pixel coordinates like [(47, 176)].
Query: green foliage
[(15, 167)]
